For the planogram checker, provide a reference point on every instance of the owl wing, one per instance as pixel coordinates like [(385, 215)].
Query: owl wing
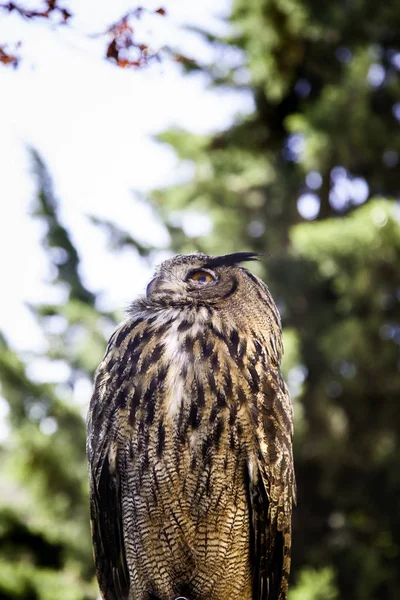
[(107, 533), (105, 488), (272, 489)]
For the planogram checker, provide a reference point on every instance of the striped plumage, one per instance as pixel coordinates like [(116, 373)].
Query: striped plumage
[(189, 441)]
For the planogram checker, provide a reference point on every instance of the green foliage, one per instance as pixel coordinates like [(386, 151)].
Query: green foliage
[(315, 585), (57, 239), (326, 87), (44, 517)]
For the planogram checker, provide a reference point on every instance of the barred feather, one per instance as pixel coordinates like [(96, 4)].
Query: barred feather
[(189, 443)]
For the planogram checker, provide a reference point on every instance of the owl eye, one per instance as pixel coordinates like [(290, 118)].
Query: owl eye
[(201, 277)]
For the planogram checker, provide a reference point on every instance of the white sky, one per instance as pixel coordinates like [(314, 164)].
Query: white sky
[(92, 124)]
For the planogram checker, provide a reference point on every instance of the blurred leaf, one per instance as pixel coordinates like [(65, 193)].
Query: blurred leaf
[(315, 585)]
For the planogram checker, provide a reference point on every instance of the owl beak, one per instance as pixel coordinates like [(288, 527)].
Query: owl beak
[(151, 287), (157, 284)]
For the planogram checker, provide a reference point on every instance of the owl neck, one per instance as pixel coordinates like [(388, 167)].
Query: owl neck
[(206, 323)]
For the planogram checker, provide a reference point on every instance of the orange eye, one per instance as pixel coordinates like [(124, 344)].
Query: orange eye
[(201, 277)]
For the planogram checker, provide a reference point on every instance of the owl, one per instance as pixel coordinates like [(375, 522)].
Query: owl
[(189, 441)]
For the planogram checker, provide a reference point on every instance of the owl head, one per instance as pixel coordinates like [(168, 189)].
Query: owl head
[(198, 278), (217, 282)]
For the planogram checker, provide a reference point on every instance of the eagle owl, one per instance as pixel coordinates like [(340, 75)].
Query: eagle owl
[(190, 441)]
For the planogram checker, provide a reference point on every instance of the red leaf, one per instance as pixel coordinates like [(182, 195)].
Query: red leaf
[(8, 59), (66, 14), (112, 50)]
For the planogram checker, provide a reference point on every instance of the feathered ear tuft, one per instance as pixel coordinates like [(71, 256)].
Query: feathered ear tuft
[(230, 260)]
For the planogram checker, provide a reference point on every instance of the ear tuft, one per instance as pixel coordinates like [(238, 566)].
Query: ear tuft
[(230, 260)]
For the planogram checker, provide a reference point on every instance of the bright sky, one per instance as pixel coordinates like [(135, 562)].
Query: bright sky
[(92, 124)]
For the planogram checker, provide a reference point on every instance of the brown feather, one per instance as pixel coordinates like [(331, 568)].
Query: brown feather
[(189, 443)]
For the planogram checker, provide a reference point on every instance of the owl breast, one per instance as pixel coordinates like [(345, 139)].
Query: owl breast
[(184, 487)]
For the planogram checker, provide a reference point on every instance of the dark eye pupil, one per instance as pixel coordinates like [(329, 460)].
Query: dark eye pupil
[(200, 277)]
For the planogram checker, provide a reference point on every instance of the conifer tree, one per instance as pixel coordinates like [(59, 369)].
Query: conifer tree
[(309, 178), (45, 542)]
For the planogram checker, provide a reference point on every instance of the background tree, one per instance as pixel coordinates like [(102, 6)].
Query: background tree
[(44, 521), (321, 145), (309, 179)]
